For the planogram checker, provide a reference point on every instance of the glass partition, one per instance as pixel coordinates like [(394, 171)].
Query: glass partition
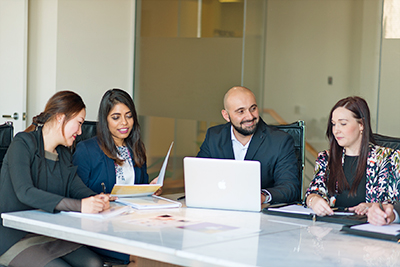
[(188, 54), (298, 56)]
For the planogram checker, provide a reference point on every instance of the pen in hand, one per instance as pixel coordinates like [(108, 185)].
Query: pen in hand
[(104, 187), (381, 207)]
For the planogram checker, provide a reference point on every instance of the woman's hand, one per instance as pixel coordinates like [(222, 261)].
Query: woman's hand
[(377, 216), (95, 204), (318, 205), (361, 209)]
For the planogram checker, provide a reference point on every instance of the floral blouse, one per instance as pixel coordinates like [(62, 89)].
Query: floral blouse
[(382, 174)]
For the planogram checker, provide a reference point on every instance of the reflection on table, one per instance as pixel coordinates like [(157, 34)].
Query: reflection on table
[(205, 237)]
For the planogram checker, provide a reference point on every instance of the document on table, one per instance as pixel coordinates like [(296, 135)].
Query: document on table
[(109, 213), (149, 202), (391, 229), (296, 209), (142, 189), (299, 209)]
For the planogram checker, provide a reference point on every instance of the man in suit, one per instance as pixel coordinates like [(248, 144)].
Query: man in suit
[(389, 214), (247, 137)]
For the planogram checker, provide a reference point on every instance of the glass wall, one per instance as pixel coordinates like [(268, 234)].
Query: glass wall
[(188, 54), (298, 56)]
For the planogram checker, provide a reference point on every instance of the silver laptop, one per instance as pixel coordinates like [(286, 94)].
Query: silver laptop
[(222, 184)]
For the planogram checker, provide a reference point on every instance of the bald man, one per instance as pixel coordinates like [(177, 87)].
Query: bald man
[(247, 137)]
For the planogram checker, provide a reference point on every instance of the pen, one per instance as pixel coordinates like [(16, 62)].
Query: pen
[(104, 187), (380, 206)]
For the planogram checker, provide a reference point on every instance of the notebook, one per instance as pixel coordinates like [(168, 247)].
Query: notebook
[(222, 184)]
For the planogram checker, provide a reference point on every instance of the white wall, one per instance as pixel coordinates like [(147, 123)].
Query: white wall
[(13, 61), (310, 40), (81, 45), (42, 55)]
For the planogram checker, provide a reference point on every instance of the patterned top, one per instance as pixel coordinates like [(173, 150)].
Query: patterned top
[(125, 174), (382, 175)]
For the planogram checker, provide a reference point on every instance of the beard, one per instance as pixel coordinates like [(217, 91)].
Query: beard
[(245, 131)]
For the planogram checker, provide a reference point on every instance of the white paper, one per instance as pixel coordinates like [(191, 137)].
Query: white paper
[(297, 209), (149, 202), (391, 229), (111, 212), (161, 175)]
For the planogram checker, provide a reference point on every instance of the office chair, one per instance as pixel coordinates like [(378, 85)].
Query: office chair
[(6, 136), (298, 131), (89, 130), (387, 141)]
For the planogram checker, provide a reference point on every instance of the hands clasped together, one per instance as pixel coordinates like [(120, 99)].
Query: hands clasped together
[(375, 214)]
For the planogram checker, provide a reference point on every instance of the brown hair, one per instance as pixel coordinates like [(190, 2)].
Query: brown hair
[(337, 181), (63, 102)]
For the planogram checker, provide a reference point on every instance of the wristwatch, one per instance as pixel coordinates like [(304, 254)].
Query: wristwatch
[(267, 195)]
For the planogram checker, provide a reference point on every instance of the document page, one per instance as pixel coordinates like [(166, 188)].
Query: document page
[(297, 209), (142, 189), (113, 211), (149, 202), (391, 229)]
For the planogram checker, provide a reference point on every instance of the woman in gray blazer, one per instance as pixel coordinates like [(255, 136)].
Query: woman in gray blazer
[(37, 173)]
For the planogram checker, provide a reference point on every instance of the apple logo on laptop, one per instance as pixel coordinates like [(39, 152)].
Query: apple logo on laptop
[(222, 184)]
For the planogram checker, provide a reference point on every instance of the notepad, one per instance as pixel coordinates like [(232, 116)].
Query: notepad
[(296, 209), (109, 213), (386, 232), (299, 209), (142, 189), (149, 202), (392, 229)]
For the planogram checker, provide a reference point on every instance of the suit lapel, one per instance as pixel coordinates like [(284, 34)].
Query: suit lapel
[(257, 140), (227, 143), (40, 161)]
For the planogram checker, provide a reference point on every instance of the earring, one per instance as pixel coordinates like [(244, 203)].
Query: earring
[(361, 132)]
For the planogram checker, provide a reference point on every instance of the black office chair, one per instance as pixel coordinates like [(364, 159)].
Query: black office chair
[(89, 130), (387, 141), (6, 136), (298, 131)]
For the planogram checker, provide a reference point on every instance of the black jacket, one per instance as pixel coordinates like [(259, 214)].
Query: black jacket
[(95, 167), (273, 148), (23, 181)]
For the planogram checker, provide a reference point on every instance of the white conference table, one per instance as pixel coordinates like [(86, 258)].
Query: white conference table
[(214, 238)]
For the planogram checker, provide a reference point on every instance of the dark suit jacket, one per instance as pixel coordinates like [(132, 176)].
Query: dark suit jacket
[(94, 167), (273, 148), (23, 181)]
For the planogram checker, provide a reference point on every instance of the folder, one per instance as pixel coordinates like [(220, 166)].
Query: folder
[(142, 189), (386, 232), (301, 212)]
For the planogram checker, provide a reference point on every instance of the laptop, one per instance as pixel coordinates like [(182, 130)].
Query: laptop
[(222, 184)]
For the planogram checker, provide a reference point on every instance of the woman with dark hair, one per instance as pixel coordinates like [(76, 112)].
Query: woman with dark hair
[(117, 154), (355, 172), (37, 173)]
